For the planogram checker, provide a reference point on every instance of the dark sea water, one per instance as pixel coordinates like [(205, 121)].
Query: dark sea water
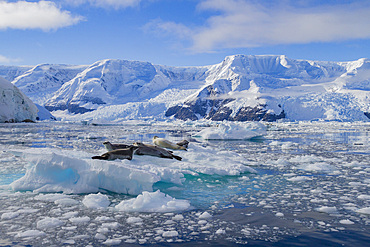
[(311, 188)]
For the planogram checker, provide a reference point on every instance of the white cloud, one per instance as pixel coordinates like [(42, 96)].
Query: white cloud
[(246, 23), (4, 59), (43, 15), (107, 3), (169, 28)]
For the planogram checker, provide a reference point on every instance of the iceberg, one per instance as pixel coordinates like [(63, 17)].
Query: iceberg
[(74, 172)]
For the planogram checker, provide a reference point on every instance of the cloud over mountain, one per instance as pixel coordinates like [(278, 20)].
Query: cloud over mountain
[(245, 23)]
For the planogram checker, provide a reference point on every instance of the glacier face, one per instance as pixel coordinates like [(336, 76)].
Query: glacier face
[(14, 105), (240, 88)]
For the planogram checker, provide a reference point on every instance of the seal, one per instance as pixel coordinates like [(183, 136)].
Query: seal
[(161, 142), (147, 149), (110, 147), (126, 153), (183, 143)]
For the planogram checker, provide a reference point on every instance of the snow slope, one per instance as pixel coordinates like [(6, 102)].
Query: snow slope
[(42, 81), (14, 105), (240, 88)]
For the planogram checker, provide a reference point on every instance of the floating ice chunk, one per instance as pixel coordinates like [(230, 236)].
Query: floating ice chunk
[(100, 236), (103, 218), (220, 231), (67, 202), (96, 201), (50, 197), (316, 167), (279, 214), (202, 222), (134, 220), (71, 171), (153, 202), (75, 172), (112, 242), (364, 210), (326, 209), (80, 220), (205, 215), (70, 241), (70, 215), (112, 225), (169, 222), (364, 197), (10, 215), (31, 234), (48, 223), (233, 131), (170, 234), (178, 217), (299, 179), (346, 222)]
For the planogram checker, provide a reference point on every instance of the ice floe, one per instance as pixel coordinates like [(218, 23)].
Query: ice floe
[(232, 131), (52, 170), (153, 202)]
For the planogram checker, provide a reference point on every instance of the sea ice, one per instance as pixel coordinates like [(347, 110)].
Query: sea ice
[(326, 209), (75, 172), (232, 131), (153, 202), (31, 234), (48, 223), (364, 210), (96, 201)]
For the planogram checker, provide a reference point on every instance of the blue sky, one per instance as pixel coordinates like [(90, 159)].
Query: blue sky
[(181, 32)]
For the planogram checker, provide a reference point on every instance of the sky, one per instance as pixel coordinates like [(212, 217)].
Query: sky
[(181, 32)]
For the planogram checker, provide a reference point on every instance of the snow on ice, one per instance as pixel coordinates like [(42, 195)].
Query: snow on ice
[(153, 202), (52, 170)]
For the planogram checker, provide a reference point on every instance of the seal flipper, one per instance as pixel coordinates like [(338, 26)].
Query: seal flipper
[(177, 157), (99, 157)]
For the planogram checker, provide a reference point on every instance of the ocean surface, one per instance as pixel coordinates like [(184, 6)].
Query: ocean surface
[(307, 184)]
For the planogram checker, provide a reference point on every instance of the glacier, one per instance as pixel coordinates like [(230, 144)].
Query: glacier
[(240, 88), (14, 105)]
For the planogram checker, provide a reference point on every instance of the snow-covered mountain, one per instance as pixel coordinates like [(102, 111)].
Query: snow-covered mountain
[(242, 87), (42, 81), (267, 88), (14, 105)]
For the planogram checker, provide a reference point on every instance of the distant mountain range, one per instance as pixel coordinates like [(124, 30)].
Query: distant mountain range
[(240, 88)]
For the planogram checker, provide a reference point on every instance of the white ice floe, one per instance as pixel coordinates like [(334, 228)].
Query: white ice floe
[(96, 201), (299, 178), (9, 216), (55, 170), (49, 222), (346, 222), (205, 216), (233, 131), (31, 234), (364, 210), (170, 234), (134, 220), (80, 220), (326, 209), (153, 202)]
